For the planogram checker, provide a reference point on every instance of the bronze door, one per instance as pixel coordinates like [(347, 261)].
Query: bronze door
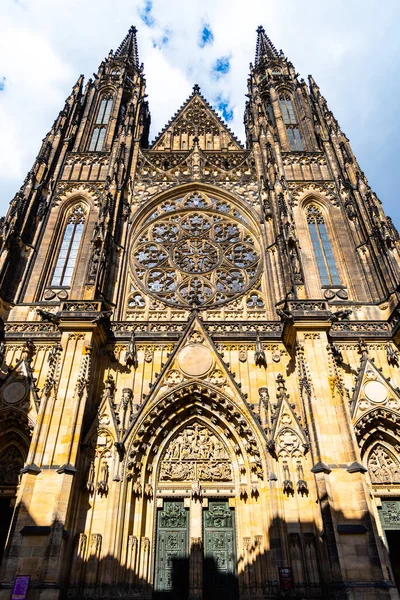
[(219, 575), (172, 559)]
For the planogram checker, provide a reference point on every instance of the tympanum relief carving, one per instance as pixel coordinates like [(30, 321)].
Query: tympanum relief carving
[(383, 466), (196, 454)]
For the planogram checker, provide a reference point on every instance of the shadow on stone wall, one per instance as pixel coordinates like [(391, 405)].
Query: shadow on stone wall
[(67, 565)]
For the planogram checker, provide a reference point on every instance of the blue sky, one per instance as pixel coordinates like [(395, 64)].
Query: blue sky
[(350, 46)]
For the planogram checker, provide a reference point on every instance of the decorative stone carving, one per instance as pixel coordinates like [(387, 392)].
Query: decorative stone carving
[(102, 484), (126, 409), (288, 443), (90, 477), (260, 358), (196, 453), (174, 377), (392, 354), (383, 467), (131, 353), (11, 462), (217, 377)]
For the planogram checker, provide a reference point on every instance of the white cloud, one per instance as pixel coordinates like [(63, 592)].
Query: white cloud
[(350, 47)]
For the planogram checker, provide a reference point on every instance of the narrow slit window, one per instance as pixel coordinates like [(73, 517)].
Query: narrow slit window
[(69, 249), (322, 247)]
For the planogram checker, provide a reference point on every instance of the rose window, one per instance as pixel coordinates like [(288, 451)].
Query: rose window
[(196, 250), (194, 255)]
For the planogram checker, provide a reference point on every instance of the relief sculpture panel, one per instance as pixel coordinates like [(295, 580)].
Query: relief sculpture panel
[(196, 453)]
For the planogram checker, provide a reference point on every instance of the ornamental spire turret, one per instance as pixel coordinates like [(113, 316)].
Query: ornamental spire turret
[(128, 48), (264, 48)]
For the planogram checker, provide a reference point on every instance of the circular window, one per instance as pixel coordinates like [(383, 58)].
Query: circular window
[(195, 250)]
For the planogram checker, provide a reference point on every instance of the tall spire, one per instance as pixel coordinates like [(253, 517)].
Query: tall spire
[(128, 48), (264, 48)]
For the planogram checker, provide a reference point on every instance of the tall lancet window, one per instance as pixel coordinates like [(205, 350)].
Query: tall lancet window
[(289, 118), (69, 248), (100, 125), (322, 248)]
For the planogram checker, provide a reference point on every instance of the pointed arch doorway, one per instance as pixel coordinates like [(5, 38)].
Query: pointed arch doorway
[(195, 555)]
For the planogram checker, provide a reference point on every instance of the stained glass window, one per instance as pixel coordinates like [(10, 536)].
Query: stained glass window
[(69, 248), (322, 248)]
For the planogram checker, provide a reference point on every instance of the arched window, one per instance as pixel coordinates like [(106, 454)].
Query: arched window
[(101, 123), (289, 118), (322, 248), (69, 248)]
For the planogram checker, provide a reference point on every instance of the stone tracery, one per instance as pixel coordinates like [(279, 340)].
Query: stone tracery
[(201, 256)]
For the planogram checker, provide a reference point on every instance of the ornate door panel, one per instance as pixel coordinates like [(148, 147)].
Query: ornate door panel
[(390, 514), (220, 579), (172, 558)]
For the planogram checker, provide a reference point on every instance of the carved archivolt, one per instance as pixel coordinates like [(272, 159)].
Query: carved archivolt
[(87, 190), (305, 190), (195, 451)]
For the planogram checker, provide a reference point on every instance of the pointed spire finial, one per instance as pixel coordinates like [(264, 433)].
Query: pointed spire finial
[(196, 88), (264, 47), (128, 47)]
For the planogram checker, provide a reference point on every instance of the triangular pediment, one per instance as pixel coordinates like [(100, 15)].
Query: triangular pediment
[(372, 391), (288, 435), (195, 359), (195, 386), (196, 119)]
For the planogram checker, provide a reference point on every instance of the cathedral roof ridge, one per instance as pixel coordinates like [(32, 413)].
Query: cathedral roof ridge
[(264, 47), (197, 92)]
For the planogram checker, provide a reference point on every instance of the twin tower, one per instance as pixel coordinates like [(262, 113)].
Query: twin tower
[(199, 365)]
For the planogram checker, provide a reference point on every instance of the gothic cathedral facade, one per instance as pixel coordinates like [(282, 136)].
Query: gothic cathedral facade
[(199, 360)]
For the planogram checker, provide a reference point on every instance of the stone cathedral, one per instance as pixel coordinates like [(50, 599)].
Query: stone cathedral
[(199, 386)]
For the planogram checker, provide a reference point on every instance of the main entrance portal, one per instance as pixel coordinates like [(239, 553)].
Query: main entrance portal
[(173, 559)]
